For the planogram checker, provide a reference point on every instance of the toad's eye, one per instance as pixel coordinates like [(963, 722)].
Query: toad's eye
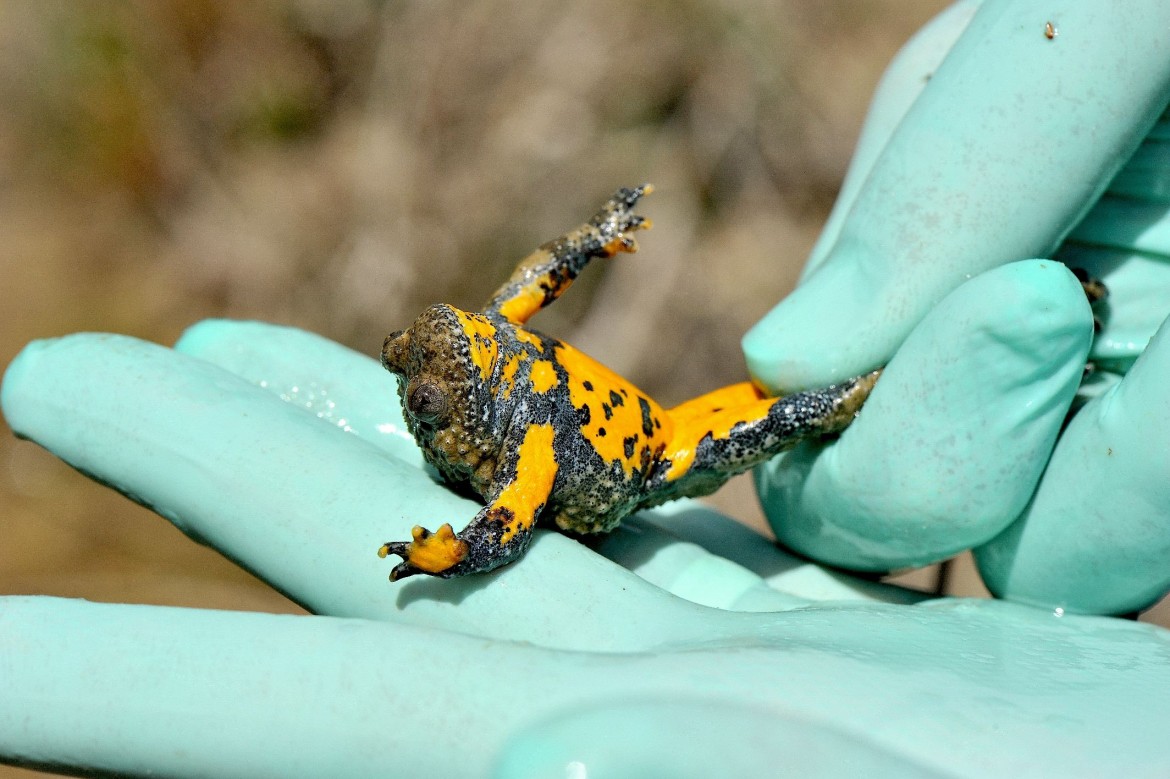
[(426, 402)]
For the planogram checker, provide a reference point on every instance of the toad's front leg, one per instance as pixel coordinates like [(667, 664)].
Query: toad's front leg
[(502, 530), (495, 537), (541, 277)]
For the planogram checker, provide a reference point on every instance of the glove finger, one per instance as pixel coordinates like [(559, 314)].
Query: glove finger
[(121, 690), (1096, 537), (302, 504), (700, 526), (951, 443), (337, 385), (904, 79), (959, 188), (657, 737)]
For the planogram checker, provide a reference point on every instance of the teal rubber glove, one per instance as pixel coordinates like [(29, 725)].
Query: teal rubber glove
[(607, 664), (978, 154), (988, 143), (563, 663)]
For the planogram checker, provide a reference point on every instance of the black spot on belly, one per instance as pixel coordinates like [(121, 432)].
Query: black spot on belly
[(628, 444), (588, 385), (608, 411), (601, 432), (615, 399), (584, 415), (647, 421)]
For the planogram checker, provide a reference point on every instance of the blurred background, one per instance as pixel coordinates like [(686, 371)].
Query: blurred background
[(339, 164)]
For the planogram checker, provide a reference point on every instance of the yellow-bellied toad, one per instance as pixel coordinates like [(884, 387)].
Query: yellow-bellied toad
[(540, 430)]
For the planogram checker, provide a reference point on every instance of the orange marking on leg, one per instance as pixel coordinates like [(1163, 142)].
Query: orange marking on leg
[(528, 296), (523, 305), (735, 395), (536, 468), (693, 427)]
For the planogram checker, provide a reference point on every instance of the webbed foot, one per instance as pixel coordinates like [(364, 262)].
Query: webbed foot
[(435, 554)]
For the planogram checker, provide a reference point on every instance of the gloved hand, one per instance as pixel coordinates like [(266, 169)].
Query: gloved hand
[(564, 661), (991, 134), (286, 452)]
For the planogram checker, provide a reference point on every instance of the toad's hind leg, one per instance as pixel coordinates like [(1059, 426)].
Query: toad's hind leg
[(542, 276), (728, 431)]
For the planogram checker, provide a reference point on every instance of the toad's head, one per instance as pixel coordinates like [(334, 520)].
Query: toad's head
[(444, 363)]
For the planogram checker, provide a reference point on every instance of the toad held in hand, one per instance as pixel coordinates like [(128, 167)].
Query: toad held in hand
[(542, 431)]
